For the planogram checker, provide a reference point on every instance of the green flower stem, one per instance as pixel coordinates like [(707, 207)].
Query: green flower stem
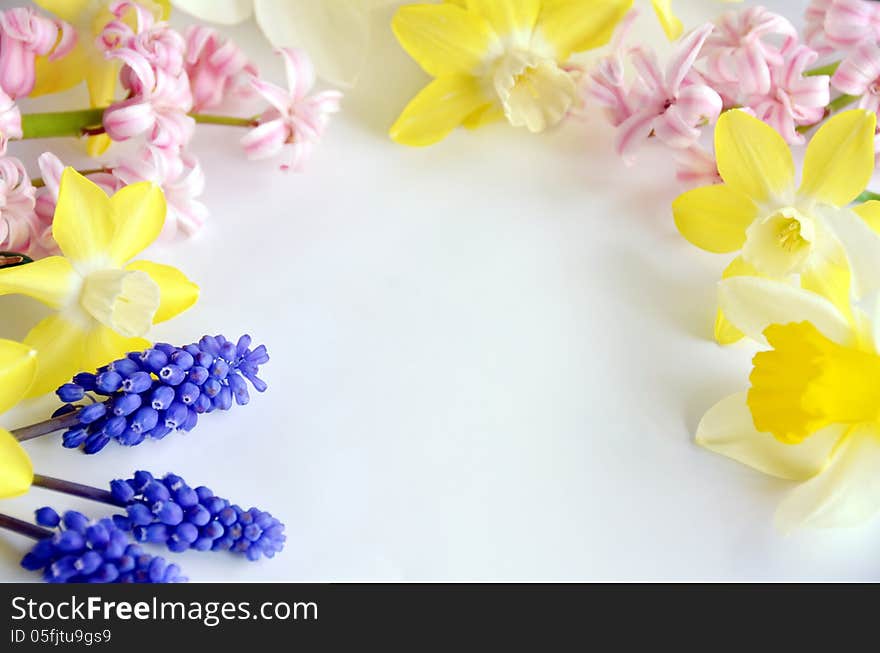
[(828, 69), (87, 122), (867, 196)]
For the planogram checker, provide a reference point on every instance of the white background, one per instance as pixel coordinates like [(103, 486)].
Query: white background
[(488, 360)]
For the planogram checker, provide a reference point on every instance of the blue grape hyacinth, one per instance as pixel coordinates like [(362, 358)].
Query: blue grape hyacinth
[(151, 393), (88, 551), (170, 512)]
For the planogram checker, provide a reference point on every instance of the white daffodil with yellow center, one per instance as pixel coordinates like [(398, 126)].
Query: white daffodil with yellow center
[(86, 62), (812, 413), (783, 231), (496, 58), (104, 304), (18, 365)]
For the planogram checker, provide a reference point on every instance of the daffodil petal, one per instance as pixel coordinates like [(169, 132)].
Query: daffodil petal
[(752, 304), (725, 332), (752, 156), (68, 10), (862, 246), (61, 74), (83, 225), (485, 115), (714, 218), (513, 20), (16, 470), (840, 158), (846, 493), (101, 76), (671, 24), (138, 213), (50, 280), (444, 39), (59, 343), (870, 213), (830, 278), (577, 25), (227, 12), (103, 345), (439, 108), (178, 292), (727, 428), (18, 365)]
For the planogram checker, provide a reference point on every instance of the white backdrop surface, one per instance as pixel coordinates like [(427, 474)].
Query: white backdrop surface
[(488, 360)]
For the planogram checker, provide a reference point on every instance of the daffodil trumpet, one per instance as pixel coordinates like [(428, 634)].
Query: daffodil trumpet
[(89, 122)]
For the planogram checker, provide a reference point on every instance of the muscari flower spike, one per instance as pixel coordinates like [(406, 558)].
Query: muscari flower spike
[(162, 389), (170, 512), (87, 551)]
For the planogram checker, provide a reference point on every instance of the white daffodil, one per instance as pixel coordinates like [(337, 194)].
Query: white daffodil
[(812, 413), (335, 33)]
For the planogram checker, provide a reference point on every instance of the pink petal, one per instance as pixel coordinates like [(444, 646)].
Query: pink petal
[(858, 70), (128, 118), (686, 53), (674, 130), (300, 72), (631, 133), (266, 140), (274, 95)]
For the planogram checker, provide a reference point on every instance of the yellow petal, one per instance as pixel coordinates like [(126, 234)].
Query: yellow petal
[(725, 332), (439, 108), (101, 79), (59, 343), (870, 213), (59, 75), (830, 278), (752, 156), (714, 218), (444, 39), (69, 10), (578, 25), (103, 345), (18, 365), (485, 115), (178, 292), (138, 213), (840, 158), (16, 471), (668, 20), (83, 225), (50, 280), (727, 428), (512, 19)]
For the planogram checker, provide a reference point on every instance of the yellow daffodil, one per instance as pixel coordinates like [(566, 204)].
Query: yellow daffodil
[(18, 364), (494, 58), (86, 61), (104, 305), (812, 413), (668, 20), (780, 230)]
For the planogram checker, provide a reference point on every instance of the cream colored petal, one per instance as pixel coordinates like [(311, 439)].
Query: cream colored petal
[(225, 12), (727, 428), (846, 493), (862, 246), (752, 304)]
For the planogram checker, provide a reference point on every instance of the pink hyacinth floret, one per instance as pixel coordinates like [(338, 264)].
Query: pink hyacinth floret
[(673, 104), (695, 167), (296, 118), (841, 24), (859, 75), (794, 99), (21, 229), (181, 179), (217, 68), (25, 35), (741, 51), (10, 121)]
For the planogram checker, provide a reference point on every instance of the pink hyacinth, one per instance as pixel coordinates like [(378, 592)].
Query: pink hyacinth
[(606, 82), (20, 227), (25, 35), (859, 75), (738, 53), (182, 181), (296, 118), (10, 121), (216, 68), (841, 24), (794, 100), (695, 167), (160, 45), (672, 105)]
